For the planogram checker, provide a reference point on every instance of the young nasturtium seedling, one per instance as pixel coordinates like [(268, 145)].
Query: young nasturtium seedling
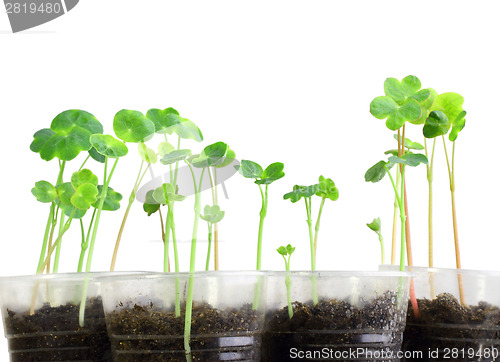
[(68, 135), (133, 126), (286, 252), (325, 189), (168, 122), (376, 226), (273, 172), (378, 171), (210, 155), (74, 199), (212, 215), (446, 115), (211, 159), (403, 102)]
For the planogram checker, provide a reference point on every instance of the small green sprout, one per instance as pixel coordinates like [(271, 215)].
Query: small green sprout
[(326, 190), (273, 172), (212, 215), (376, 226), (286, 252), (68, 135), (133, 126)]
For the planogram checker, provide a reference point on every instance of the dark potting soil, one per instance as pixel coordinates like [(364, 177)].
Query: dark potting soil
[(335, 330), (447, 330), (54, 334), (150, 333)]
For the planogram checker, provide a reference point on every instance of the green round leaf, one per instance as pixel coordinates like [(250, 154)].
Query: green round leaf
[(166, 193), (250, 169), (410, 144), (212, 214), (272, 173), (133, 126), (71, 132), (282, 250), (164, 148), (112, 200), (327, 189), (458, 125), (437, 124), (85, 195), (299, 192), (96, 155), (83, 177), (150, 205), (375, 225), (410, 159), (40, 138), (65, 191), (188, 130), (146, 154), (408, 112), (401, 91), (211, 155), (108, 146), (68, 210), (44, 191), (164, 120), (175, 156), (378, 171), (450, 104), (227, 159)]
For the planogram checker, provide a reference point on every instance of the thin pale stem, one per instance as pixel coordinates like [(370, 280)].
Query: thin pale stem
[(58, 248), (216, 226), (207, 266), (382, 250), (46, 238), (263, 213), (394, 224), (316, 228)]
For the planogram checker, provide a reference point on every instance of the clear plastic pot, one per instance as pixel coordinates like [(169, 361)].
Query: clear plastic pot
[(457, 315), (146, 316), (41, 318), (335, 315)]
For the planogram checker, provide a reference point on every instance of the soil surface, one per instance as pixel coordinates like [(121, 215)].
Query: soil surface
[(54, 334), (334, 329), (148, 333), (452, 331)]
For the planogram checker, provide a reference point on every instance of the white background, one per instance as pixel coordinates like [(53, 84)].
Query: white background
[(278, 81)]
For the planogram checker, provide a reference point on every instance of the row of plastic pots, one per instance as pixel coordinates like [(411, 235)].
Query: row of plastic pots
[(252, 316)]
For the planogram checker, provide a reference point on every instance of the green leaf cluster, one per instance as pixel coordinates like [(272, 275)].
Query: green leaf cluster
[(286, 250), (212, 214), (68, 135), (250, 169)]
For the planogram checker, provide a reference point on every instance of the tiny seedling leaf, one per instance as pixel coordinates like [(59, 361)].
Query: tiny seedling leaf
[(164, 119), (212, 214), (70, 135), (227, 159), (150, 205), (83, 177), (378, 171), (108, 146), (146, 153), (250, 169), (111, 202), (164, 148), (175, 156), (64, 192), (327, 189), (272, 173), (436, 124), (299, 192), (188, 130), (410, 159), (212, 155), (133, 126), (85, 195), (458, 125), (375, 225), (410, 144), (44, 191)]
